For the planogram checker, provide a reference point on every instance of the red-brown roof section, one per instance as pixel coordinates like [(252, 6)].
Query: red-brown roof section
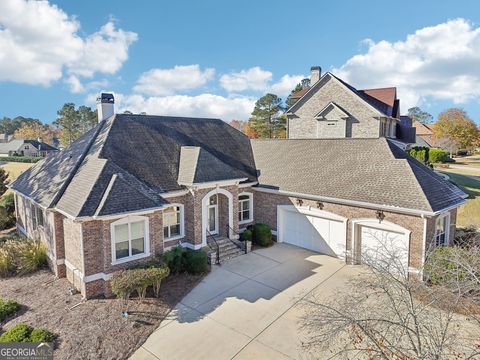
[(385, 95), (300, 93)]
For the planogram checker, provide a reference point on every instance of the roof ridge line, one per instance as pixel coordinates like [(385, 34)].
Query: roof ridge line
[(68, 181), (105, 194)]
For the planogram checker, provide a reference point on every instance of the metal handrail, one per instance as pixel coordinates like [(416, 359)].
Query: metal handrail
[(236, 233), (216, 244)]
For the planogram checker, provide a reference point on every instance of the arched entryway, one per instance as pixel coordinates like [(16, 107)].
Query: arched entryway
[(217, 214)]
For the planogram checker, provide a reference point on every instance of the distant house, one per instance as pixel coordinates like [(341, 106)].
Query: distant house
[(4, 138), (424, 134), (330, 108), (20, 147)]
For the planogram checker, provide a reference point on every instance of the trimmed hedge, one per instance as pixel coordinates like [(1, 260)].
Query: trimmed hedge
[(262, 235), (181, 260), (21, 159), (26, 333), (8, 308), (429, 155), (437, 156)]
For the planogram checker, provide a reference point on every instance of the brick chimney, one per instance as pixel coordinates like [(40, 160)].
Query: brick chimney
[(315, 74), (105, 108)]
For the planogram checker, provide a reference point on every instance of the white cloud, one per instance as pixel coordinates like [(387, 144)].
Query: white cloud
[(76, 86), (169, 81), (441, 62), (258, 79), (254, 78), (286, 84), (39, 41), (203, 105)]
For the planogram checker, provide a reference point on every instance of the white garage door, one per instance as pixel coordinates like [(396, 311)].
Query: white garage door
[(385, 247), (312, 230)]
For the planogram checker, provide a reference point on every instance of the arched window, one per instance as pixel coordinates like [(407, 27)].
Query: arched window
[(245, 207), (130, 239), (173, 222)]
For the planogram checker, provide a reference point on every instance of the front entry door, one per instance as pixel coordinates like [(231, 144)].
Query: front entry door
[(212, 211)]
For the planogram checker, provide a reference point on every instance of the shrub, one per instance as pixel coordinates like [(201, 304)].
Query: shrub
[(7, 220), (196, 262), (419, 153), (247, 235), (462, 152), (41, 335), (21, 256), (22, 159), (440, 269), (262, 235), (8, 308), (175, 259), (437, 156), (25, 333), (8, 202), (125, 282)]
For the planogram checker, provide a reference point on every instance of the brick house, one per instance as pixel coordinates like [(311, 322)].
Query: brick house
[(330, 108), (136, 185)]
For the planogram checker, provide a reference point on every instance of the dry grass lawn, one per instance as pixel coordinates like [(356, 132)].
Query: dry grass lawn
[(15, 168)]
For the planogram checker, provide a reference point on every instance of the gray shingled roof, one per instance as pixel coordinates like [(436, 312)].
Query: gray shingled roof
[(365, 170), (126, 162)]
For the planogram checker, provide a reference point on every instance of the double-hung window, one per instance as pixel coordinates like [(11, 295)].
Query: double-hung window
[(173, 222), (245, 208), (129, 239), (37, 216), (441, 230)]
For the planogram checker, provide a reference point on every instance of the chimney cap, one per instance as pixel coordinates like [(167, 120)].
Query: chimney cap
[(106, 98), (316, 67)]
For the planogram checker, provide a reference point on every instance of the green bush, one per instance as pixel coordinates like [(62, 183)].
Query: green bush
[(7, 220), (25, 333), (20, 256), (41, 335), (262, 235), (437, 156), (8, 202), (175, 259), (247, 235), (196, 262), (22, 159), (439, 267), (125, 282), (419, 153), (8, 308)]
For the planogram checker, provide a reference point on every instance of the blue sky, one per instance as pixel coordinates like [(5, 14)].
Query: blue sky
[(214, 58)]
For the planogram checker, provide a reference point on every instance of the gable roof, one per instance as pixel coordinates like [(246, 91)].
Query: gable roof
[(330, 107), (127, 161), (422, 129), (383, 109), (372, 171)]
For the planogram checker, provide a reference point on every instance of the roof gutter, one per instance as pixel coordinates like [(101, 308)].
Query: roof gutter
[(358, 203)]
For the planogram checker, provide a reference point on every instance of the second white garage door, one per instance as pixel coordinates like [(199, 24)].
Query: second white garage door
[(312, 229)]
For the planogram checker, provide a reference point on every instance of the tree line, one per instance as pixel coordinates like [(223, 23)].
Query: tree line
[(71, 122)]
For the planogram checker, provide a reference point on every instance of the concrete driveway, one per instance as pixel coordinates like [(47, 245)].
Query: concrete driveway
[(248, 308)]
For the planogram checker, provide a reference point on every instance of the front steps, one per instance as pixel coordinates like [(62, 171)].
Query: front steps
[(228, 249)]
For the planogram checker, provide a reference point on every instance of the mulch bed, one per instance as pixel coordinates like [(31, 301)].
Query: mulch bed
[(94, 329)]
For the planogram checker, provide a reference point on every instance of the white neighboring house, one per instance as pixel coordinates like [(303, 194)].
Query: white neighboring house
[(20, 147)]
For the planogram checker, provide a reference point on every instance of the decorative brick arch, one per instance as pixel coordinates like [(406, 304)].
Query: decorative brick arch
[(205, 200)]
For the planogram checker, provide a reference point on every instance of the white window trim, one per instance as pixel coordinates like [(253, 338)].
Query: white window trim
[(128, 220), (250, 200), (445, 215), (182, 223)]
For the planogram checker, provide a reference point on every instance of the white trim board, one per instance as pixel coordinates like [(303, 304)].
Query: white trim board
[(356, 203)]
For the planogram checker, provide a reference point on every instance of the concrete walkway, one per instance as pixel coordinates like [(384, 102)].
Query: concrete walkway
[(248, 308)]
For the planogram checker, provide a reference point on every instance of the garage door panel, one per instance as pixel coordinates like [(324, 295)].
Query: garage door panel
[(384, 247), (313, 232)]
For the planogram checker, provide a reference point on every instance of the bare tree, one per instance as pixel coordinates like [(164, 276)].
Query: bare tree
[(389, 313)]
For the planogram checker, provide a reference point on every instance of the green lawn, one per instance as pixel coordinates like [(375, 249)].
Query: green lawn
[(468, 214)]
